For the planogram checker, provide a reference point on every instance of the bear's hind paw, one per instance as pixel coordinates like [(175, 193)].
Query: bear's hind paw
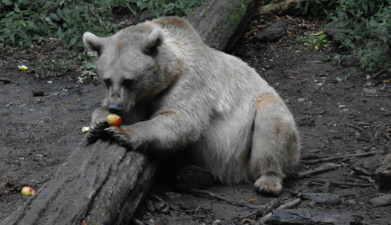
[(269, 184)]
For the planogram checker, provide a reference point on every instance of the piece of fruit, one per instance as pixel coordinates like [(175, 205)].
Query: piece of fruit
[(85, 129), (23, 67), (28, 191), (114, 120)]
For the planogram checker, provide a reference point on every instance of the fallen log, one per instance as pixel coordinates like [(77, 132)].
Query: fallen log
[(222, 23), (101, 183)]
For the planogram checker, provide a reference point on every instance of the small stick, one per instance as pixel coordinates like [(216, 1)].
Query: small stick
[(379, 132), (283, 206), (370, 180), (378, 96), (161, 200), (322, 169), (267, 208), (349, 184), (230, 201), (356, 127), (381, 71), (331, 158)]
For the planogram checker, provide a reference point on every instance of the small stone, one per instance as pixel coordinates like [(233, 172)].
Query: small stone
[(370, 91), (324, 198), (312, 203), (301, 99), (217, 222), (352, 202), (383, 200), (311, 216)]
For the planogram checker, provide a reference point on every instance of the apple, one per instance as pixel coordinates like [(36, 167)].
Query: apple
[(28, 191), (114, 120)]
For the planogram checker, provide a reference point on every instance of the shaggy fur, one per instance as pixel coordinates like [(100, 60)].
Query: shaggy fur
[(174, 93)]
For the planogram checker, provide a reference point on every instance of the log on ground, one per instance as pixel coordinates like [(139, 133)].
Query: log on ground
[(101, 183)]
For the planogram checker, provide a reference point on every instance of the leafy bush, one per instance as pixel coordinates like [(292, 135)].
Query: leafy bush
[(22, 22), (27, 21), (366, 28), (160, 8)]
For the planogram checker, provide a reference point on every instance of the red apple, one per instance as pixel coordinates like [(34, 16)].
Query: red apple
[(28, 191), (114, 120)]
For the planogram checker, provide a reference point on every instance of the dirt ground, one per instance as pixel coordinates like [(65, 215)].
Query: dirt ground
[(338, 107)]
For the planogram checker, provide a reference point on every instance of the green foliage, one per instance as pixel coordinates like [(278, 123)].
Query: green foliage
[(366, 27), (89, 67), (316, 39), (22, 22), (160, 8), (315, 8)]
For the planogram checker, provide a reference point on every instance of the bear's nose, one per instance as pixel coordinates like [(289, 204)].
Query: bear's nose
[(115, 108)]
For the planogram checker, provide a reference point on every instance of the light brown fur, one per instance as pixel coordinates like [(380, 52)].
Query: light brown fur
[(174, 93)]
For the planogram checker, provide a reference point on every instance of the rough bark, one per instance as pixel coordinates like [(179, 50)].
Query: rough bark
[(222, 23), (281, 7), (100, 183)]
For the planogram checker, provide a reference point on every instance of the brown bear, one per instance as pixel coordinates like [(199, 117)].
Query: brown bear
[(174, 93)]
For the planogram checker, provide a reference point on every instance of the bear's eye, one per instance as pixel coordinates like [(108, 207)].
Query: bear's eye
[(107, 82), (128, 83)]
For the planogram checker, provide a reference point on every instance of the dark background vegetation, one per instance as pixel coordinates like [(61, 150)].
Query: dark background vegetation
[(364, 26), (340, 109)]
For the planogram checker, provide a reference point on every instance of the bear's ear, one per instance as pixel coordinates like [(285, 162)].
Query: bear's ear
[(93, 42), (154, 40)]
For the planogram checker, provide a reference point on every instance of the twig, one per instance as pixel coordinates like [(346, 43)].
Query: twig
[(138, 222), (353, 96), (312, 113), (267, 208), (283, 206), (379, 132), (387, 96), (332, 158), (370, 180), (349, 184), (230, 201), (360, 171), (381, 71), (161, 200), (322, 169), (351, 125)]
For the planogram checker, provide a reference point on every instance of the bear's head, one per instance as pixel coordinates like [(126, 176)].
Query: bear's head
[(135, 65)]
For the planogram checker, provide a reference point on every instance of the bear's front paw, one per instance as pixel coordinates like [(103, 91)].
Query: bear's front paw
[(269, 184), (96, 130), (120, 136)]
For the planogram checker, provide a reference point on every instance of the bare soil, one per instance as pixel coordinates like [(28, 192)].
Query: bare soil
[(339, 110)]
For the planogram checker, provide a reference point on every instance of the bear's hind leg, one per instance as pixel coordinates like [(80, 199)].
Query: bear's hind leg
[(275, 148)]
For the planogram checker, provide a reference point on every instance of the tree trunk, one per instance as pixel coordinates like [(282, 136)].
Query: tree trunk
[(101, 183), (281, 7), (222, 23)]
